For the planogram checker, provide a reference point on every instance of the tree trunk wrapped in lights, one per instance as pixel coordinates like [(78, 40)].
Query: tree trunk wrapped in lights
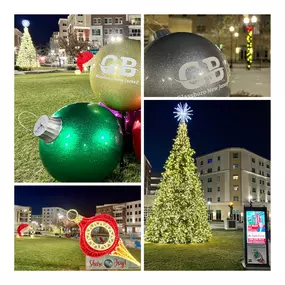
[(179, 213)]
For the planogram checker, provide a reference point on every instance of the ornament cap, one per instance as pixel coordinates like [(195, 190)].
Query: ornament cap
[(48, 128), (161, 33)]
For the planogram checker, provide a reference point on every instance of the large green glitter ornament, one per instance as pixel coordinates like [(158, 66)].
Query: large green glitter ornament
[(81, 142)]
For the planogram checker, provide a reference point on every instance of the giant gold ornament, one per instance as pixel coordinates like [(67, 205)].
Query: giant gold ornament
[(81, 142), (115, 75)]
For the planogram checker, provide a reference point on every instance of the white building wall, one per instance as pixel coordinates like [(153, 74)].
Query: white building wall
[(50, 216), (133, 214), (96, 38)]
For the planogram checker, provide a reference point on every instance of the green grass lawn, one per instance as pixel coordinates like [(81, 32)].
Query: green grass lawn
[(51, 253), (44, 94), (223, 252)]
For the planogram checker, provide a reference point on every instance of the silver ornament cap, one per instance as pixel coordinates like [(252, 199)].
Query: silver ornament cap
[(161, 33), (48, 128)]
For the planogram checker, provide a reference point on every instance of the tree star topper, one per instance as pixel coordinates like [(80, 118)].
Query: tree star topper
[(183, 113)]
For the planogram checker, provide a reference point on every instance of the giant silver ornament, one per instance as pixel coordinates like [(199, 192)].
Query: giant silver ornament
[(185, 65)]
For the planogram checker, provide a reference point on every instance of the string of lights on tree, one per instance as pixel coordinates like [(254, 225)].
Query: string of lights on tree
[(179, 213), (27, 57)]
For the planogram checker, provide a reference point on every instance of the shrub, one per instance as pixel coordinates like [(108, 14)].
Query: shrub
[(71, 67)]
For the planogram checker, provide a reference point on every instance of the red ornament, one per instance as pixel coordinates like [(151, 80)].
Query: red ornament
[(249, 28), (82, 58), (137, 136), (21, 228)]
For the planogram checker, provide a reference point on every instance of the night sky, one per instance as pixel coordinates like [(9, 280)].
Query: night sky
[(82, 198), (41, 26), (215, 125)]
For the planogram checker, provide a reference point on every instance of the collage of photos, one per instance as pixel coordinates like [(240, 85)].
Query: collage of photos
[(108, 178)]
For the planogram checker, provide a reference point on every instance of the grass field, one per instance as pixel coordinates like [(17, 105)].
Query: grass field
[(223, 252), (43, 94), (51, 253)]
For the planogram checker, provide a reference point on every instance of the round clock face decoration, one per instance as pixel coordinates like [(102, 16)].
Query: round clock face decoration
[(113, 245)]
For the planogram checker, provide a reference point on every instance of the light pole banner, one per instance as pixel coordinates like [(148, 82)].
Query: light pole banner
[(108, 262)]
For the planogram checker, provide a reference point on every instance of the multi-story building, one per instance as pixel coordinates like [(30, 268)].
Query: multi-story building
[(107, 28), (147, 176), (234, 175), (63, 33), (53, 42), (134, 26), (216, 29), (228, 175), (155, 180), (79, 24), (127, 215), (133, 216), (22, 215), (52, 216), (17, 39), (36, 221)]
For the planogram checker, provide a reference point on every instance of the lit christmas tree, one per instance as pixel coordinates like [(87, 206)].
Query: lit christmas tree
[(27, 57), (179, 213)]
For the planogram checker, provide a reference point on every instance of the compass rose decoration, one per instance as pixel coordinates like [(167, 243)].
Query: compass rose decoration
[(113, 246), (183, 113)]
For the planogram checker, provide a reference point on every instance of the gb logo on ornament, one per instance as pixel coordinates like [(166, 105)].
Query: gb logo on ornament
[(127, 67)]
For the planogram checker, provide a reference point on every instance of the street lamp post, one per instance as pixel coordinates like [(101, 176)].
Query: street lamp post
[(231, 30), (209, 210), (249, 22), (236, 36)]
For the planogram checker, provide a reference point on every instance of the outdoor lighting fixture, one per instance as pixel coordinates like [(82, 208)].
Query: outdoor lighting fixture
[(249, 50), (246, 20), (236, 34), (253, 19), (232, 28), (209, 202), (26, 23), (112, 39)]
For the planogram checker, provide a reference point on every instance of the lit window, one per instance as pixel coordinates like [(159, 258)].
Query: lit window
[(236, 198), (235, 166), (235, 155), (209, 179), (235, 177), (235, 187), (210, 160)]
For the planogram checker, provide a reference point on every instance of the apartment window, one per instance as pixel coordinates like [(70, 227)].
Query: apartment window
[(263, 173), (268, 183), (80, 39), (136, 212), (218, 188), (65, 37), (261, 191), (209, 189), (218, 199), (201, 29), (201, 181), (235, 155), (139, 219), (128, 207), (253, 190), (64, 25), (139, 204), (267, 166), (235, 177), (131, 206), (260, 182), (118, 31), (218, 214), (79, 15), (209, 179), (253, 170), (80, 22), (219, 168), (209, 170), (235, 187), (262, 164), (259, 162), (136, 205), (134, 32), (127, 220), (108, 21), (118, 20), (210, 160), (136, 219), (236, 198), (253, 160), (107, 31), (235, 166), (139, 212), (268, 192), (80, 30), (65, 31), (263, 182), (201, 172), (201, 163), (219, 158), (218, 178), (96, 32), (96, 21), (135, 21), (209, 199), (268, 175)]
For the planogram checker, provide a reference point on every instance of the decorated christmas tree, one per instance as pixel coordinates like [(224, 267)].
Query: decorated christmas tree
[(27, 57), (179, 212)]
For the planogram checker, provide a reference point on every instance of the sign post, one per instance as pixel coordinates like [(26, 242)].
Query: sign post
[(256, 239)]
